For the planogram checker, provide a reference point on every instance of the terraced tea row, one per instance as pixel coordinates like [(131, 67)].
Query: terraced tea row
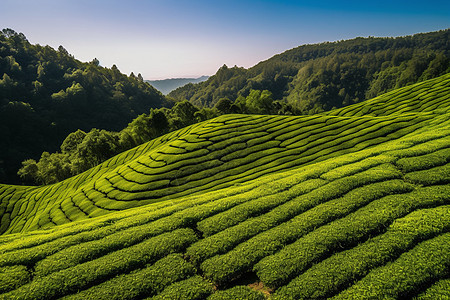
[(213, 155), (307, 207), (430, 95), (220, 153), (295, 233), (340, 270)]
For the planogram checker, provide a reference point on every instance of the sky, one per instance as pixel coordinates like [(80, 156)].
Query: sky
[(179, 38)]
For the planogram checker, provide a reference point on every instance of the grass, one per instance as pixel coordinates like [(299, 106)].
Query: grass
[(351, 204)]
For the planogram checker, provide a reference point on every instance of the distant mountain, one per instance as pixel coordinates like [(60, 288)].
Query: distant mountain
[(168, 85), (319, 77)]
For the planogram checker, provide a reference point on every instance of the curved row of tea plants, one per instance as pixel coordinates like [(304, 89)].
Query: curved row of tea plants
[(368, 221), (205, 158), (358, 208), (424, 96), (220, 153)]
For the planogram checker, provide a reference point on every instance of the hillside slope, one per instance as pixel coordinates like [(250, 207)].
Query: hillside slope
[(347, 206), (216, 154)]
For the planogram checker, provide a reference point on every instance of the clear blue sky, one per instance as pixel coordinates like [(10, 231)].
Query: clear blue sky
[(182, 38)]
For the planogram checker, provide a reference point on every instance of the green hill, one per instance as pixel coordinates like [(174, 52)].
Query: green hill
[(319, 77), (351, 204)]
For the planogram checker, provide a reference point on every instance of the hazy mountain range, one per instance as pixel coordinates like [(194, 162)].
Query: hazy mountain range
[(168, 85)]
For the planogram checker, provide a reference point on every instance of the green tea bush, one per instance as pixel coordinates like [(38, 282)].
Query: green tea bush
[(344, 232), (12, 277), (337, 272), (129, 236), (237, 293), (144, 282), (194, 288), (35, 248), (221, 268), (439, 290), (228, 238), (94, 271), (79, 253), (356, 167), (260, 205), (436, 175), (405, 276), (426, 161)]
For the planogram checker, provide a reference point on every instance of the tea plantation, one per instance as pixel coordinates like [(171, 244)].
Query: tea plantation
[(351, 204)]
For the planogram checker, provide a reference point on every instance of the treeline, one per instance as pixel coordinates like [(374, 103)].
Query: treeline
[(45, 94), (316, 78), (82, 150)]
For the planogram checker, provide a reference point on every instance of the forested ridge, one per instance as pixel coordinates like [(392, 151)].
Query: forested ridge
[(319, 77), (45, 94)]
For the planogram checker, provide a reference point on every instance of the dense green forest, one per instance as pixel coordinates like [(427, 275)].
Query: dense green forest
[(45, 94), (315, 78)]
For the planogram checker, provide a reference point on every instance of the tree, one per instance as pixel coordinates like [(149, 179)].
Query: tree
[(224, 105), (158, 121), (95, 62), (206, 114), (51, 168), (184, 111), (71, 142), (96, 147), (8, 33), (29, 172), (63, 51), (259, 102), (139, 130)]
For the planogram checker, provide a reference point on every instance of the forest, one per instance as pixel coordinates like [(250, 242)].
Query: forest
[(320, 77), (45, 94)]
